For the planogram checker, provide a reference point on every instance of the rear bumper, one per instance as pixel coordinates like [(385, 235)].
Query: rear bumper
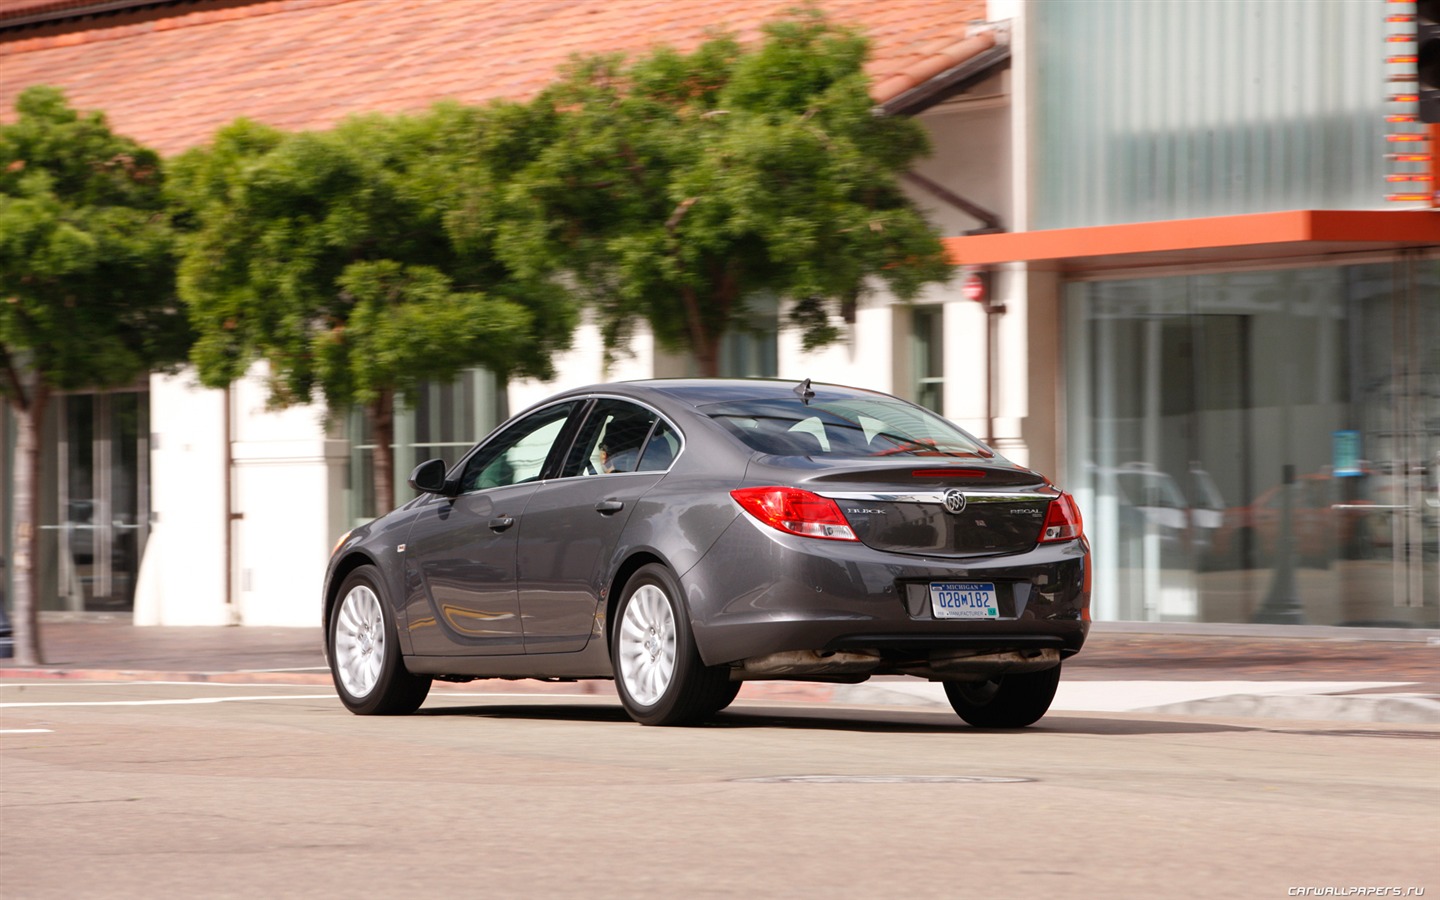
[(760, 592)]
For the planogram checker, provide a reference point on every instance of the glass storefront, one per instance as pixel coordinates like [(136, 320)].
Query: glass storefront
[(1260, 446), (94, 500)]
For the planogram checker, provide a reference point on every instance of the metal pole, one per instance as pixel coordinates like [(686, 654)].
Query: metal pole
[(1282, 604)]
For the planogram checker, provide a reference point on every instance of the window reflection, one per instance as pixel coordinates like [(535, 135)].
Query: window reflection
[(1216, 421)]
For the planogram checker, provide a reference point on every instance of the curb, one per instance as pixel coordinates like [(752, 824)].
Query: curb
[(1389, 707), (1398, 709)]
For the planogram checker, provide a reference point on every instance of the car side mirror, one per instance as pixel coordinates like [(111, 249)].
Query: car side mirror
[(429, 478)]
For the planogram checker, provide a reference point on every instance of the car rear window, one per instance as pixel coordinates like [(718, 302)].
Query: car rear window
[(848, 428)]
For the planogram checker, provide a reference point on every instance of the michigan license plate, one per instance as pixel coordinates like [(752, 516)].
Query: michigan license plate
[(964, 600)]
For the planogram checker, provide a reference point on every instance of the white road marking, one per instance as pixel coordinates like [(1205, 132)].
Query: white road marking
[(187, 701), (291, 669), (27, 731), (66, 682)]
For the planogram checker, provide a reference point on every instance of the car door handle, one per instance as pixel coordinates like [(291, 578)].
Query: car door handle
[(606, 507), (500, 523)]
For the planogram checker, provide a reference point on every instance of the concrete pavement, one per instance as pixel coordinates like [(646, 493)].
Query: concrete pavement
[(1364, 675)]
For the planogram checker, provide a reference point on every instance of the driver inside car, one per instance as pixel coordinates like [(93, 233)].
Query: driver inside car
[(617, 458)]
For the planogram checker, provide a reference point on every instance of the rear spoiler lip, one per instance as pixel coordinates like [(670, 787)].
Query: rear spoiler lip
[(1039, 492), (968, 475)]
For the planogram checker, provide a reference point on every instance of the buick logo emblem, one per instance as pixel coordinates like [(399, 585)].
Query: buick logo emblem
[(954, 501)]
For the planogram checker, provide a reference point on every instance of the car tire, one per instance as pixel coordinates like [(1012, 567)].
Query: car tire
[(1006, 701), (659, 675), (365, 658)]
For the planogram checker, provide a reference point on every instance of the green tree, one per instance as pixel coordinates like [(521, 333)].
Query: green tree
[(87, 293), (326, 255), (677, 187)]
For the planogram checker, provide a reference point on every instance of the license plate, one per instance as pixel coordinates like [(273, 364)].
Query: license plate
[(964, 600)]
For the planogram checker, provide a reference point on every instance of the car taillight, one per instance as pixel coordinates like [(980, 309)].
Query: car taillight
[(1062, 520), (796, 512)]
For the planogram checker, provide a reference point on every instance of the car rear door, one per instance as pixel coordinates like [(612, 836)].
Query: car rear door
[(570, 535)]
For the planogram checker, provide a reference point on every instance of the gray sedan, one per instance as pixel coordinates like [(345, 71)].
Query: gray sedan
[(684, 536)]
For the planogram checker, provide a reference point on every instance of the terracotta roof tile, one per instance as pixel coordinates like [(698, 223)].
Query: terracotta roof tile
[(296, 64), (10, 8)]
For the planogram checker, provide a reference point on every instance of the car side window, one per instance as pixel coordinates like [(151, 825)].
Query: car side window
[(518, 453), (660, 450), (611, 439)]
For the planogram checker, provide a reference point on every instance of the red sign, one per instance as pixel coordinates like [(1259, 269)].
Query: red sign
[(974, 288)]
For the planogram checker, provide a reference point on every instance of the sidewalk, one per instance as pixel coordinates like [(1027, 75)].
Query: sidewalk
[(1371, 675)]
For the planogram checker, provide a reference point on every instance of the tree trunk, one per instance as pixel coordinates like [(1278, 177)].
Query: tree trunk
[(381, 413), (707, 354), (26, 578), (704, 344)]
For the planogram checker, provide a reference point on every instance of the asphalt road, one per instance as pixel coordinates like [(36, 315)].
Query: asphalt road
[(258, 791)]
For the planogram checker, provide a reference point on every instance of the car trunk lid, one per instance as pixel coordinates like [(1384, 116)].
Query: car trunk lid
[(950, 511)]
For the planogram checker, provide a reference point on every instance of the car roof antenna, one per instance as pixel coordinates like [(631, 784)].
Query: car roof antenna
[(802, 390)]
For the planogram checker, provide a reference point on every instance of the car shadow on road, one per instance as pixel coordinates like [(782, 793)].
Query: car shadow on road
[(827, 718)]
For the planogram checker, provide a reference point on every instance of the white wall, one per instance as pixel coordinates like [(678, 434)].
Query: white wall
[(181, 579), (862, 357), (970, 155), (977, 153), (583, 364), (288, 501)]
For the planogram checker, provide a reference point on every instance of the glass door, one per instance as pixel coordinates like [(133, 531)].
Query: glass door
[(102, 492), (1396, 394)]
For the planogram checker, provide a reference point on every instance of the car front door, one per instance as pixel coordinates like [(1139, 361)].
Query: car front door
[(460, 554)]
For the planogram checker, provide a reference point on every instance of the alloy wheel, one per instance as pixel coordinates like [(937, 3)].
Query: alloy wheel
[(648, 645), (360, 641)]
